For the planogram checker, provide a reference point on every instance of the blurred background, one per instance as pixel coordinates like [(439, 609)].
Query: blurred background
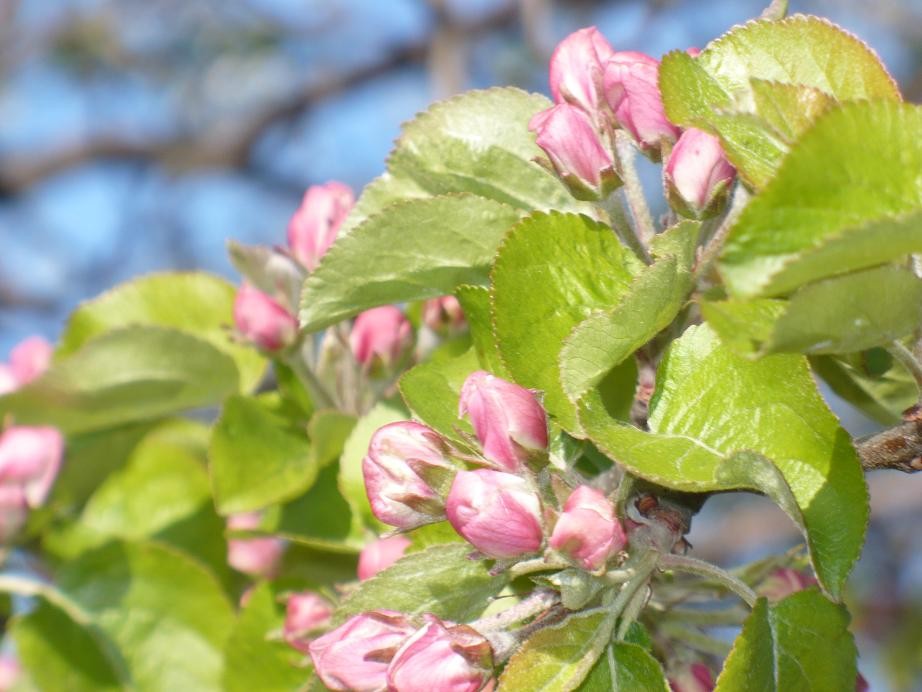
[(139, 135)]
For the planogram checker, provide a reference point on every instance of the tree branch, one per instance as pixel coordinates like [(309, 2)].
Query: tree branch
[(898, 448)]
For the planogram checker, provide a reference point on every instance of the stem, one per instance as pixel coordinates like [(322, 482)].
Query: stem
[(633, 190), (318, 392), (535, 603), (625, 604), (682, 563), (908, 359), (632, 610), (539, 564), (614, 208), (715, 244)]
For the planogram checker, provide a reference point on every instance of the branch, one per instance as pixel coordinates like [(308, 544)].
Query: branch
[(898, 448), (219, 144)]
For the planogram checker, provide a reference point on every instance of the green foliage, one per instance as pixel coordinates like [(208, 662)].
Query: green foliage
[(475, 301), (123, 376), (800, 643), (625, 666), (194, 303), (711, 404), (551, 272), (432, 391)]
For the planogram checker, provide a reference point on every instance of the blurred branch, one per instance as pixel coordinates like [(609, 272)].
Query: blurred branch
[(898, 448), (221, 144)]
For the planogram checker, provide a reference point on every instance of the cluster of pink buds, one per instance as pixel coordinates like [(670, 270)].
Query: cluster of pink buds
[(597, 90), (384, 649), (259, 557), (28, 359)]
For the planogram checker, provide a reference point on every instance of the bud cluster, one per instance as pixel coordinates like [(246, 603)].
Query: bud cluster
[(598, 90)]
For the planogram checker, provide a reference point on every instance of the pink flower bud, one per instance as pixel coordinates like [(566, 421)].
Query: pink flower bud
[(509, 421), (262, 321), (576, 69), (383, 333), (496, 512), (314, 226), (30, 358), (381, 554), (8, 381), (356, 654), (783, 582), (305, 613), (632, 90), (440, 657), (570, 141), (258, 557), (443, 314), (697, 175), (400, 457), (694, 678), (10, 670), (29, 460), (587, 530)]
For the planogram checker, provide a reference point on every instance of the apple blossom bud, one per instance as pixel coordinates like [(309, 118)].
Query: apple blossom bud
[(381, 554), (30, 458), (258, 557), (30, 358), (403, 460), (10, 670), (355, 655), (510, 423), (576, 69), (443, 315), (440, 656), (783, 582), (496, 512), (380, 334), (305, 613), (262, 321), (567, 136), (697, 175), (694, 678), (8, 381), (632, 90), (314, 226), (587, 529)]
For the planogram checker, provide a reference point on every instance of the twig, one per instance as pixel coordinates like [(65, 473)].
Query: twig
[(613, 205), (898, 448), (633, 190), (682, 563)]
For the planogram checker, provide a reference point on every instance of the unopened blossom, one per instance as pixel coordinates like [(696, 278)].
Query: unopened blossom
[(783, 582), (381, 554), (696, 677), (30, 458), (441, 657), (571, 142), (631, 84), (305, 614), (315, 225), (587, 530), (10, 671), (509, 422), (400, 457), (258, 557), (698, 175), (355, 656), (496, 512), (443, 314), (576, 69), (263, 321), (28, 360), (382, 335)]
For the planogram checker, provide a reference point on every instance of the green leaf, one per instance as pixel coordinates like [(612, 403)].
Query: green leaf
[(351, 480), (559, 657), (837, 204), (380, 193), (60, 654), (479, 142), (847, 313), (441, 580), (762, 84), (648, 306), (713, 407), (254, 662), (552, 271), (475, 301), (410, 251), (432, 390), (195, 303), (874, 381), (625, 667), (126, 375), (800, 643), (257, 457)]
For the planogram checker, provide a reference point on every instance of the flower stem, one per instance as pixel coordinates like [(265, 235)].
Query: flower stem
[(319, 394), (716, 243), (535, 603), (909, 360), (613, 206), (633, 190), (682, 563)]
